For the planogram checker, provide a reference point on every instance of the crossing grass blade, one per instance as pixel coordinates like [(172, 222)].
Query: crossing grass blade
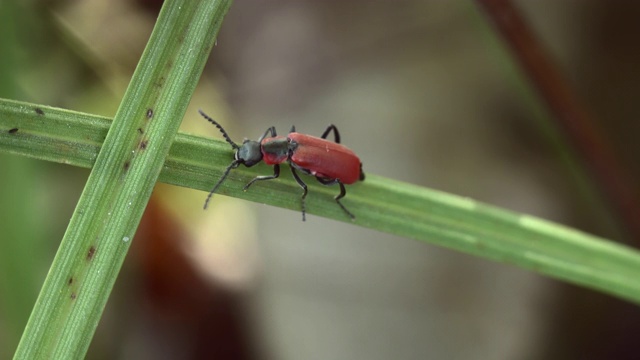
[(126, 162)]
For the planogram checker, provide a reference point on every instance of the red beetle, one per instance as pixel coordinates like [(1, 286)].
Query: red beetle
[(330, 162)]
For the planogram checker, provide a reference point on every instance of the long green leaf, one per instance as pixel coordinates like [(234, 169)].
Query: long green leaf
[(383, 204), (124, 172)]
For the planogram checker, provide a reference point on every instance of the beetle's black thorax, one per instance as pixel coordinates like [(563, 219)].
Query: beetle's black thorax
[(276, 147)]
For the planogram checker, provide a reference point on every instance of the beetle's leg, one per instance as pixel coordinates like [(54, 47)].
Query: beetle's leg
[(336, 134), (304, 187), (233, 165), (271, 130), (276, 173), (343, 192)]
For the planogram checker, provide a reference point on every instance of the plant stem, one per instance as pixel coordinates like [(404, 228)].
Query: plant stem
[(382, 204)]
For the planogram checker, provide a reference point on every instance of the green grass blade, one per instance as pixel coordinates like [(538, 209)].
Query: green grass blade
[(124, 172), (383, 204)]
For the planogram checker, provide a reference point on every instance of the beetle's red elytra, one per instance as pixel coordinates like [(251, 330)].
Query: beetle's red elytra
[(329, 162)]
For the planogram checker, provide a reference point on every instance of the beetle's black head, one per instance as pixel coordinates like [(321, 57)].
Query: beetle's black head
[(249, 153)]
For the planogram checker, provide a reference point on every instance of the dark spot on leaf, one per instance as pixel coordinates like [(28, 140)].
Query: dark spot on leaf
[(91, 253), (143, 144), (70, 281), (140, 131), (13, 131), (39, 111), (127, 165), (149, 113), (73, 296)]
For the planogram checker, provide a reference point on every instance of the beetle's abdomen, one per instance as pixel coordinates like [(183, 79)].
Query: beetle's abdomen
[(325, 159)]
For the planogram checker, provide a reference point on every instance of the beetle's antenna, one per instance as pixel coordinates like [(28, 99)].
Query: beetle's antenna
[(224, 133), (233, 165)]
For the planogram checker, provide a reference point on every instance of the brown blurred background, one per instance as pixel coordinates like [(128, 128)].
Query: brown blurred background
[(423, 91)]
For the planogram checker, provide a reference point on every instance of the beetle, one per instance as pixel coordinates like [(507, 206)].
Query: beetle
[(330, 162)]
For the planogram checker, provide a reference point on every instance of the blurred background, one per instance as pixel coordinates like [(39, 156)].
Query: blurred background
[(423, 91)]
